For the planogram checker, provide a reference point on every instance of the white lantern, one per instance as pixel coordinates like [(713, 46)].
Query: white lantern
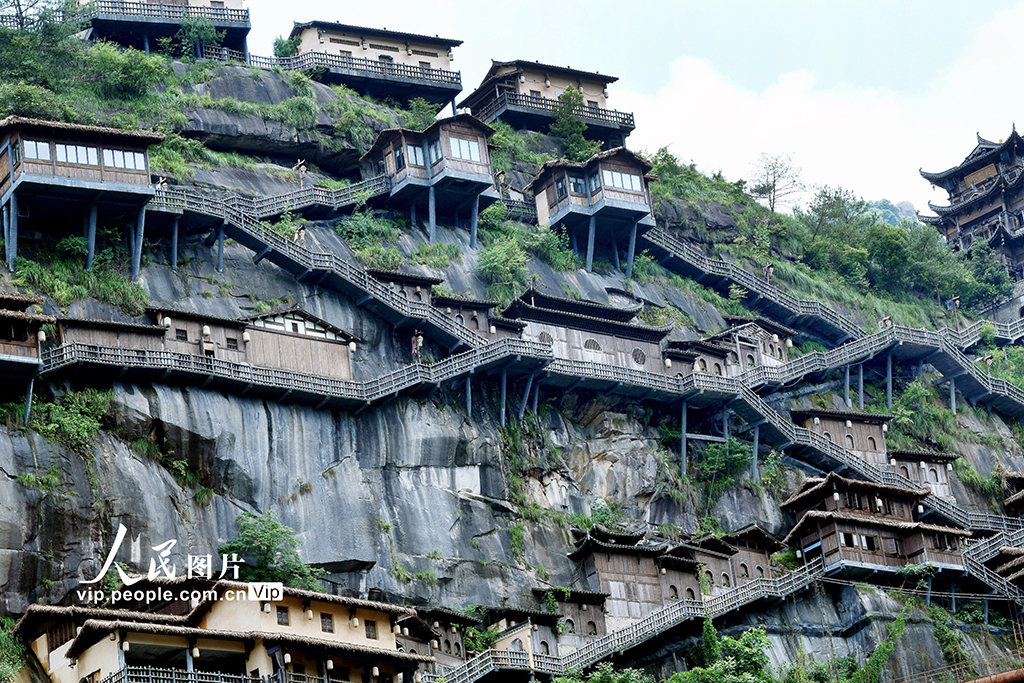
[(775, 338), (206, 330), (923, 464), (287, 658), (878, 503), (167, 323), (330, 665), (266, 607), (583, 608), (668, 363), (397, 630), (920, 509), (309, 614), (437, 624), (885, 428), (663, 571), (355, 622), (376, 672), (835, 496), (195, 652), (494, 330), (405, 631), (41, 336), (245, 337), (849, 424), (124, 646), (352, 347), (892, 461), (817, 421), (789, 343), (434, 644), (949, 467), (799, 554)]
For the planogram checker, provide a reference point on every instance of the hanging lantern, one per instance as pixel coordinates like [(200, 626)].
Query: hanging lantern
[(352, 347), (330, 665), (41, 336), (195, 652), (287, 658), (167, 323), (206, 330), (246, 338)]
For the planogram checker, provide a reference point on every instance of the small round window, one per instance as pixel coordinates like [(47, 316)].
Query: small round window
[(545, 338), (591, 345), (639, 357)]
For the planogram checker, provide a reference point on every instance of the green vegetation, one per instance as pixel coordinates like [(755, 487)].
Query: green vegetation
[(73, 421), (49, 481), (951, 642), (286, 47), (728, 659), (606, 673), (437, 255), (12, 651), (426, 577), (420, 114), (270, 551), (371, 239), (517, 537), (513, 147), (569, 126), (479, 639), (719, 468)]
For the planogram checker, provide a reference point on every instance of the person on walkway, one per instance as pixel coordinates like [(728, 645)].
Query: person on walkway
[(417, 345), (300, 235)]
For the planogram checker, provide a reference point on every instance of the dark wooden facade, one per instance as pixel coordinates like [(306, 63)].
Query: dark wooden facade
[(140, 23), (21, 334), (602, 203), (445, 168), (861, 433), (986, 201), (288, 340), (925, 468), (587, 331), (860, 527)]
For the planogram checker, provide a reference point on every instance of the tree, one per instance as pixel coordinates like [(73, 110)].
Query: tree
[(605, 673), (569, 126), (420, 114), (271, 552), (776, 179), (991, 279), (28, 12), (729, 659), (286, 47)]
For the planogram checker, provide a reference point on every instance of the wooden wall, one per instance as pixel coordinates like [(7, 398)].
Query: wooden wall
[(934, 475), (866, 440), (570, 343), (632, 583)]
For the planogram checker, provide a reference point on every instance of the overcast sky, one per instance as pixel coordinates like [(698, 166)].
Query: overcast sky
[(861, 94)]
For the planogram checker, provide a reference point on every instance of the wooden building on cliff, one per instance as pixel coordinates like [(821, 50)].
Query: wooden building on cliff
[(525, 94), (985, 201), (381, 63), (602, 203), (58, 178), (444, 169), (860, 528), (861, 433)]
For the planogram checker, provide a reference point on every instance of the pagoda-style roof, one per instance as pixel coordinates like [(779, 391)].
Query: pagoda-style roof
[(551, 166), (506, 323), (298, 28), (603, 533), (94, 323), (854, 416), (984, 153), (388, 133), (769, 326), (755, 536), (678, 557), (694, 346), (495, 614), (573, 595), (814, 489), (303, 313), (593, 309), (927, 456), (1005, 181), (712, 544), (445, 615), (17, 301), (814, 517), (106, 132), (590, 545), (455, 301), (404, 278), (513, 68), (520, 309)]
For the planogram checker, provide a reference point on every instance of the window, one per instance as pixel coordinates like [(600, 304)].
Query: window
[(231, 343), (181, 335), (760, 572), (545, 338), (217, 4), (872, 446), (371, 629), (576, 185), (710, 577), (933, 476), (59, 634), (116, 158), (744, 571), (673, 592), (416, 156), (570, 626), (434, 150), (639, 357), (77, 154), (399, 158), (326, 623), (387, 59), (690, 595), (904, 472), (702, 365), (282, 616), (869, 543), (595, 184), (827, 436), (447, 646), (545, 649), (560, 188), (591, 345), (37, 149), (535, 93), (423, 53), (622, 181), (465, 149), (517, 643), (848, 540), (591, 628), (592, 104), (750, 360), (15, 152), (458, 649), (425, 65), (849, 441), (343, 41), (718, 369), (725, 580)]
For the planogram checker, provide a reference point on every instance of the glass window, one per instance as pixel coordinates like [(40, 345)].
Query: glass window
[(399, 158), (623, 181), (371, 629), (282, 616), (560, 187), (15, 153), (37, 149), (465, 149), (576, 185), (595, 183), (77, 154), (434, 150), (416, 155), (326, 623)]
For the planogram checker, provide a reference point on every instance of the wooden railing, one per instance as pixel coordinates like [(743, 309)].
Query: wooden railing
[(307, 61), (591, 115), (156, 10), (636, 633), (59, 357), (518, 210), (152, 674), (242, 213)]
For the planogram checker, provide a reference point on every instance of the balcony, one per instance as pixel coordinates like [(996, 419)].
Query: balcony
[(517, 109), (144, 11)]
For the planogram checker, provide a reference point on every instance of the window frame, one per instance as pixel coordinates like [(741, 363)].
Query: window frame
[(370, 629), (283, 618), (416, 156), (37, 144), (455, 145), (326, 622)]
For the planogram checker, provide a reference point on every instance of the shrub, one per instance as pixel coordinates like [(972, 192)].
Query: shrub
[(273, 550), (286, 47), (74, 421), (12, 651), (420, 114), (123, 72)]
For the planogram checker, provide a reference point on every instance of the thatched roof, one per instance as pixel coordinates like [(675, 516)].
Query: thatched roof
[(852, 415), (816, 488), (37, 615), (143, 135), (874, 521), (18, 299), (94, 629), (756, 536), (1014, 499), (39, 318), (1016, 563), (550, 166)]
